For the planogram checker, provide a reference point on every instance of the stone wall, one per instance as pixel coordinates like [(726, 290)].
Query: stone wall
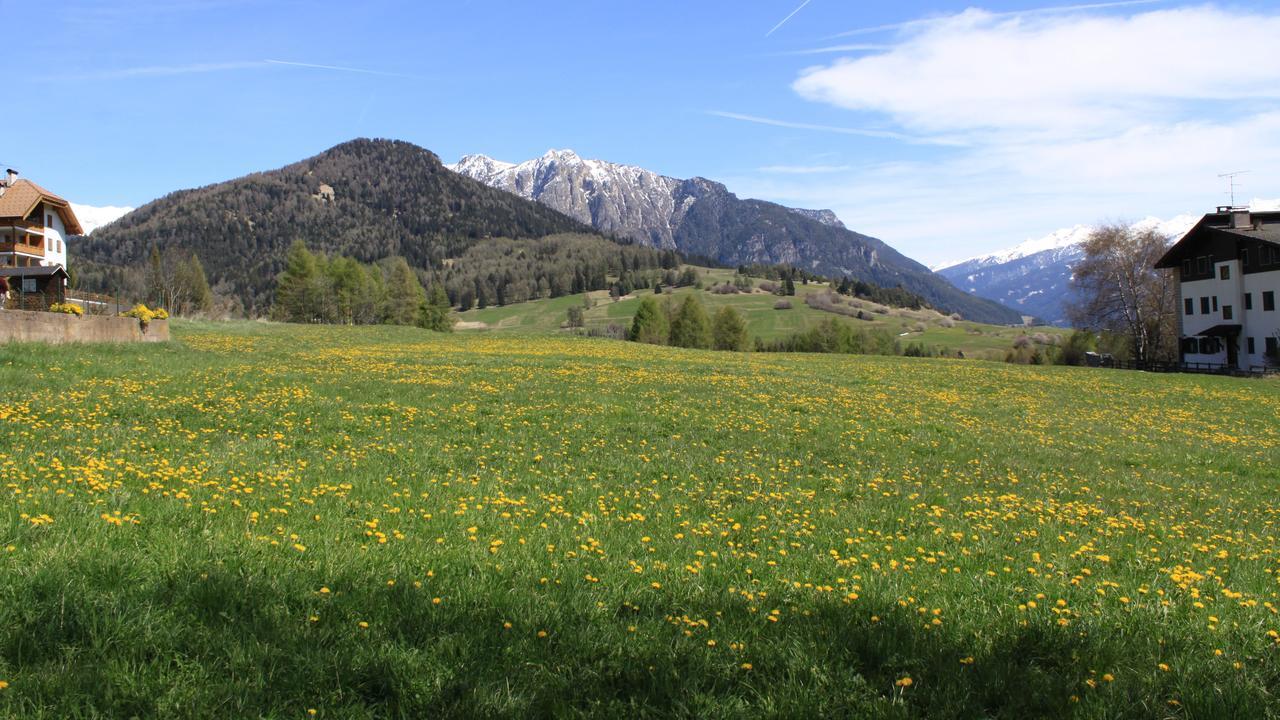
[(25, 326)]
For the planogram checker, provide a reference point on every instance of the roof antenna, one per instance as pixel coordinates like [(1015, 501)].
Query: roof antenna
[(1231, 179)]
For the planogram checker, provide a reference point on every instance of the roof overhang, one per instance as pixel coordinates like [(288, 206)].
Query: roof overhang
[(1224, 330), (41, 271)]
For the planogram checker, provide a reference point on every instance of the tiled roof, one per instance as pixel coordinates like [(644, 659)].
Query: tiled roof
[(18, 202)]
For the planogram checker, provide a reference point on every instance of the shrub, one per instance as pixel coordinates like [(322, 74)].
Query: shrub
[(1073, 350), (833, 336), (145, 314), (67, 308), (782, 305)]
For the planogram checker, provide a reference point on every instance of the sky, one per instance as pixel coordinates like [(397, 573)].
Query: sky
[(946, 129)]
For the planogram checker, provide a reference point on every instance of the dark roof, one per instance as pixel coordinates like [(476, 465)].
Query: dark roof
[(1225, 330), (42, 271), (1265, 228)]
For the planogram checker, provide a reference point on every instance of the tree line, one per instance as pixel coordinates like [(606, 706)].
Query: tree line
[(314, 288)]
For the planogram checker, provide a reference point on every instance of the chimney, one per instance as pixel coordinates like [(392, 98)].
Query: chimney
[(11, 177), (1241, 219)]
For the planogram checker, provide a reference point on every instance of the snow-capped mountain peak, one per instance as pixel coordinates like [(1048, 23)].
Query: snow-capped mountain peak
[(1035, 276), (91, 218), (620, 199)]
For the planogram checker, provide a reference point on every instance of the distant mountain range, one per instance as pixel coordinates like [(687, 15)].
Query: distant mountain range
[(702, 218), (1035, 276)]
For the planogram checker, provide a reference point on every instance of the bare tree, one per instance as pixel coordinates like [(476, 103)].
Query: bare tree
[(1120, 291)]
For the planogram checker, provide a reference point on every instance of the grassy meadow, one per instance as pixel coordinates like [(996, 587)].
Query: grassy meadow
[(926, 326), (261, 520)]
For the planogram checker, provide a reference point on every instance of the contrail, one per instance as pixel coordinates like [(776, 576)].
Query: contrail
[(1013, 13), (785, 19), (887, 134), (336, 67)]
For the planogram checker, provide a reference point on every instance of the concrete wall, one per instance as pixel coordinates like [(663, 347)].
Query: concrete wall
[(24, 326)]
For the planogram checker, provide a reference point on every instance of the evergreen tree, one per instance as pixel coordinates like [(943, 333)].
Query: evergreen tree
[(193, 287), (789, 287), (690, 328), (300, 287), (155, 279), (728, 330), (404, 294), (650, 324), (434, 313)]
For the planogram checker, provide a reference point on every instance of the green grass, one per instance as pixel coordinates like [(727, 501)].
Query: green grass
[(200, 528), (763, 321)]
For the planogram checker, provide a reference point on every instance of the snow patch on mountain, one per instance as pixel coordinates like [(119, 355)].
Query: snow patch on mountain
[(91, 217)]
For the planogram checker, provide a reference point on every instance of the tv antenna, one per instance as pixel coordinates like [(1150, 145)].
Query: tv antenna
[(1231, 180)]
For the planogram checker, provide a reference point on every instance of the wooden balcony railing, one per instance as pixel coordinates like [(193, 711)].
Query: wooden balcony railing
[(36, 249)]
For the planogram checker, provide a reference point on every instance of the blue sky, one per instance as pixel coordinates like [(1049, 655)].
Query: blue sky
[(947, 129)]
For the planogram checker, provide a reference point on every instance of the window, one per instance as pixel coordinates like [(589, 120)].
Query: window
[(59, 246), (1188, 307), (1202, 265), (1204, 306), (1226, 312), (1209, 345), (1269, 300), (1249, 342), (48, 221), (1244, 257), (1248, 301), (1271, 345), (1186, 268), (1189, 346), (1215, 303), (1224, 272)]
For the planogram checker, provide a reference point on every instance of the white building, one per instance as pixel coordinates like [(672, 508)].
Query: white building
[(34, 224), (1228, 269)]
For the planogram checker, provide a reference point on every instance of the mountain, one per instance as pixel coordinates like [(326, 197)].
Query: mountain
[(368, 199), (1035, 276), (91, 218), (702, 218)]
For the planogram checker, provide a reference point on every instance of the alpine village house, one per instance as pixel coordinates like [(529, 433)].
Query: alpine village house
[(34, 225), (1228, 269)]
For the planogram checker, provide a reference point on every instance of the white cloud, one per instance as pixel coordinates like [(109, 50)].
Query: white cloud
[(1064, 119), (977, 72)]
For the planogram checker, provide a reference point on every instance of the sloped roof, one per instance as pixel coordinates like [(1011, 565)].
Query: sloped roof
[(40, 271), (1266, 229), (19, 200)]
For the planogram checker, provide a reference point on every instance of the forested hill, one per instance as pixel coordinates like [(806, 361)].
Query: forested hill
[(367, 199)]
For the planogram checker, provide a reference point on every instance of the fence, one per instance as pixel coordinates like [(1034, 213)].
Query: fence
[(1190, 367)]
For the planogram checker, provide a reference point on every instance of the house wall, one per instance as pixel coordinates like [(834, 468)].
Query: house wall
[(1229, 293), (55, 236), (1258, 323), (46, 327)]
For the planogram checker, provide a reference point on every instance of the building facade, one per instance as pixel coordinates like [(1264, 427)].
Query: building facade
[(34, 225), (1228, 269)]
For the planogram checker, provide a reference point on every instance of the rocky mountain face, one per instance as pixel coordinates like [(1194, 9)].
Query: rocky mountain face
[(1035, 277), (701, 218)]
